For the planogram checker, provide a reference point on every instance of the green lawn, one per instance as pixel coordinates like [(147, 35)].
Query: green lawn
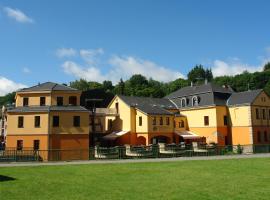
[(213, 179)]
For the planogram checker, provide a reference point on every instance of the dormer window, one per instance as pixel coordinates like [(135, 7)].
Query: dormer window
[(183, 102), (195, 101)]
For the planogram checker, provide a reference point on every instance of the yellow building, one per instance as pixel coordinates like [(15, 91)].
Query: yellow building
[(207, 113), (48, 116), (144, 121)]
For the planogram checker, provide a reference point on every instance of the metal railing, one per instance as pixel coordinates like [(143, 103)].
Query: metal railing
[(106, 111), (127, 152)]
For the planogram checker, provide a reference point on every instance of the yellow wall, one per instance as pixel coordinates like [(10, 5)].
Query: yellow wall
[(29, 124), (51, 97), (195, 117), (240, 115), (66, 123), (145, 123), (160, 128), (34, 98), (177, 120), (65, 96), (125, 115), (222, 111)]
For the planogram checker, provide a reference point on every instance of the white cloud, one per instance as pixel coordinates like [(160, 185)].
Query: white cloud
[(119, 67), (233, 67), (128, 66), (18, 15), (88, 73), (91, 55), (26, 70), (65, 52), (7, 86)]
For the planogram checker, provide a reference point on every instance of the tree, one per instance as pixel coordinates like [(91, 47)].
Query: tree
[(266, 67), (197, 74), (208, 75), (7, 99), (83, 85), (107, 85)]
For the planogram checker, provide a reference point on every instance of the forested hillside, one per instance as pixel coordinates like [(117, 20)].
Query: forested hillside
[(139, 85)]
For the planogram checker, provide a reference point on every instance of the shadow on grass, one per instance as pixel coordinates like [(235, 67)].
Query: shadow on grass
[(6, 178)]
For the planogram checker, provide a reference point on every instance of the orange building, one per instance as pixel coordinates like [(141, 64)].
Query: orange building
[(48, 116), (207, 112)]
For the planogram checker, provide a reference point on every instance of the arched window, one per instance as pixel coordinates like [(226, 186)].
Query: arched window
[(183, 102), (195, 101)]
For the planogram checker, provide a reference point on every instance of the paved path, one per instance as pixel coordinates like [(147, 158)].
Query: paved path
[(16, 164)]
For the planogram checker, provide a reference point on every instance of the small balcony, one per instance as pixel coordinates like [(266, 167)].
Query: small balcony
[(106, 111)]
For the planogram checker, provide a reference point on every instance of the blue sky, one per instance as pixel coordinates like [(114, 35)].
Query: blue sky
[(108, 39)]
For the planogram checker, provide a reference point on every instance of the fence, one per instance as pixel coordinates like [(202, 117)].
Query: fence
[(127, 152)]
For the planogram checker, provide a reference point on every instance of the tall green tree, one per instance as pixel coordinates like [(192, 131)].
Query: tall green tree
[(266, 67), (198, 74), (107, 85)]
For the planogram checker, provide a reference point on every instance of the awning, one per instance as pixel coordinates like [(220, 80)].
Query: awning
[(187, 134), (114, 135)]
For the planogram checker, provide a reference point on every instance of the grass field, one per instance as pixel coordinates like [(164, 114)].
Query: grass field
[(212, 179)]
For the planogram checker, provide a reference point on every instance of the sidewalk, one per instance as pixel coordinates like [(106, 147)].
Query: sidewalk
[(18, 164)]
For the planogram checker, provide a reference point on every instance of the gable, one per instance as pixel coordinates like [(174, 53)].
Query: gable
[(262, 100)]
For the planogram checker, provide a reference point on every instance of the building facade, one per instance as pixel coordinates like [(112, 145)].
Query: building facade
[(207, 113), (48, 116)]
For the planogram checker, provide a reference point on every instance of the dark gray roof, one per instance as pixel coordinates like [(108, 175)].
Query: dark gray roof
[(29, 109), (193, 90), (246, 97), (208, 95), (48, 86), (47, 109), (154, 106)]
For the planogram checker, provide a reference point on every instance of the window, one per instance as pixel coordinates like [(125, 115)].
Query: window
[(117, 107), (19, 144), (183, 102), (25, 101), (265, 136), (73, 100), (60, 101), (140, 121), (167, 121), (181, 124), (55, 121), (263, 114), (42, 101), (37, 121), (160, 121), (76, 121), (36, 144), (195, 101), (154, 121), (259, 139), (206, 120), (225, 120), (20, 122), (110, 124), (257, 114)]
